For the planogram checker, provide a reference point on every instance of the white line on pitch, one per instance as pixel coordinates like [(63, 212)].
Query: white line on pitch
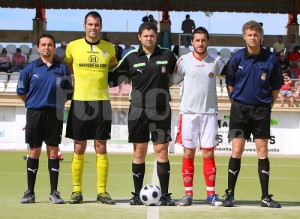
[(153, 211)]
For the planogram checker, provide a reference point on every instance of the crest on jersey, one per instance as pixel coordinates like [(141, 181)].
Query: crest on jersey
[(263, 76), (211, 75), (163, 69), (104, 52)]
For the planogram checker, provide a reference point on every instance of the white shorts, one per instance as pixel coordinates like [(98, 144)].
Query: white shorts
[(197, 129)]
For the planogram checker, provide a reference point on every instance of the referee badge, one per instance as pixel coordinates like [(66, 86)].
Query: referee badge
[(263, 76), (163, 69)]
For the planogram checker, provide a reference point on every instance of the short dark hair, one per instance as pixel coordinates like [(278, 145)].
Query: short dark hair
[(46, 35), (200, 30), (147, 26), (93, 14)]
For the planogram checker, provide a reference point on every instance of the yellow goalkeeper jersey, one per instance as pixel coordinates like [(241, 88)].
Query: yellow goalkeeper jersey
[(90, 63)]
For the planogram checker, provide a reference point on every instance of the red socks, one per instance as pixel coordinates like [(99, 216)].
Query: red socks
[(188, 174), (209, 172)]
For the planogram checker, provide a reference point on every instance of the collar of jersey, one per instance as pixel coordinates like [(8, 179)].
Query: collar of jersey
[(40, 62), (96, 43), (261, 54), (142, 52)]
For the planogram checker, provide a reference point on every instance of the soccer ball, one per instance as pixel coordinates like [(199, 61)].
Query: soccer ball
[(150, 194)]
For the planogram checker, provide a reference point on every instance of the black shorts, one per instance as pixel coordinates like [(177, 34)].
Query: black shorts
[(43, 125), (89, 120), (143, 122), (247, 119)]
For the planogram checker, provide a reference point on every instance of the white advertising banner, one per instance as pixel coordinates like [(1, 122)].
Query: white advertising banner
[(285, 136)]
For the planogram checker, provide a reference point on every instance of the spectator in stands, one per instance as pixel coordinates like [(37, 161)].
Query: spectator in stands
[(286, 91), (291, 44), (294, 55), (104, 36), (284, 62), (60, 52), (176, 50), (145, 19), (127, 48), (151, 19), (118, 49), (5, 62), (18, 61), (278, 46), (294, 59), (187, 26), (262, 37), (297, 88)]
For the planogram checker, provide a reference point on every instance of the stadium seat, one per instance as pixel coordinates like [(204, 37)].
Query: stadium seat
[(2, 86), (225, 53), (125, 89), (218, 80), (34, 50), (3, 76), (11, 87), (25, 49), (184, 51), (226, 59), (33, 57), (224, 92), (213, 50), (14, 77), (11, 48), (219, 92), (235, 50), (114, 90)]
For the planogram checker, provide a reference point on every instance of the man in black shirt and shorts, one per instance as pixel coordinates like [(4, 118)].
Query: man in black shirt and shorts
[(149, 68)]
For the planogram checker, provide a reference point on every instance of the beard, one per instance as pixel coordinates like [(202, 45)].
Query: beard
[(46, 54), (202, 52)]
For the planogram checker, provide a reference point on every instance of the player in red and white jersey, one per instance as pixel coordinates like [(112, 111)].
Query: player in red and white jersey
[(198, 113)]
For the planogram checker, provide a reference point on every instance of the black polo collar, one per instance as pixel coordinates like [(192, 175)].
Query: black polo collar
[(261, 54), (157, 50)]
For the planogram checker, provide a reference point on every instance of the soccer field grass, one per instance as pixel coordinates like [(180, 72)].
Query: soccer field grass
[(284, 184)]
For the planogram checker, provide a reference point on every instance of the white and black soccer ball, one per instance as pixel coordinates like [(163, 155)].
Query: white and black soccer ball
[(150, 194)]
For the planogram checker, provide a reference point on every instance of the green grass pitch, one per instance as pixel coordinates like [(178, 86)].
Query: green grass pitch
[(284, 184)]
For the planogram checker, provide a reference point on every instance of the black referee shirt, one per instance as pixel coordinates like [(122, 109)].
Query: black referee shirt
[(149, 76)]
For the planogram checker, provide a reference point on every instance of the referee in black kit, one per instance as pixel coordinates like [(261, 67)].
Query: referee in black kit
[(149, 68)]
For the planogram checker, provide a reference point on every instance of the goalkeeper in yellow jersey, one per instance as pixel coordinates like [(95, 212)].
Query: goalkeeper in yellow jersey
[(90, 111)]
